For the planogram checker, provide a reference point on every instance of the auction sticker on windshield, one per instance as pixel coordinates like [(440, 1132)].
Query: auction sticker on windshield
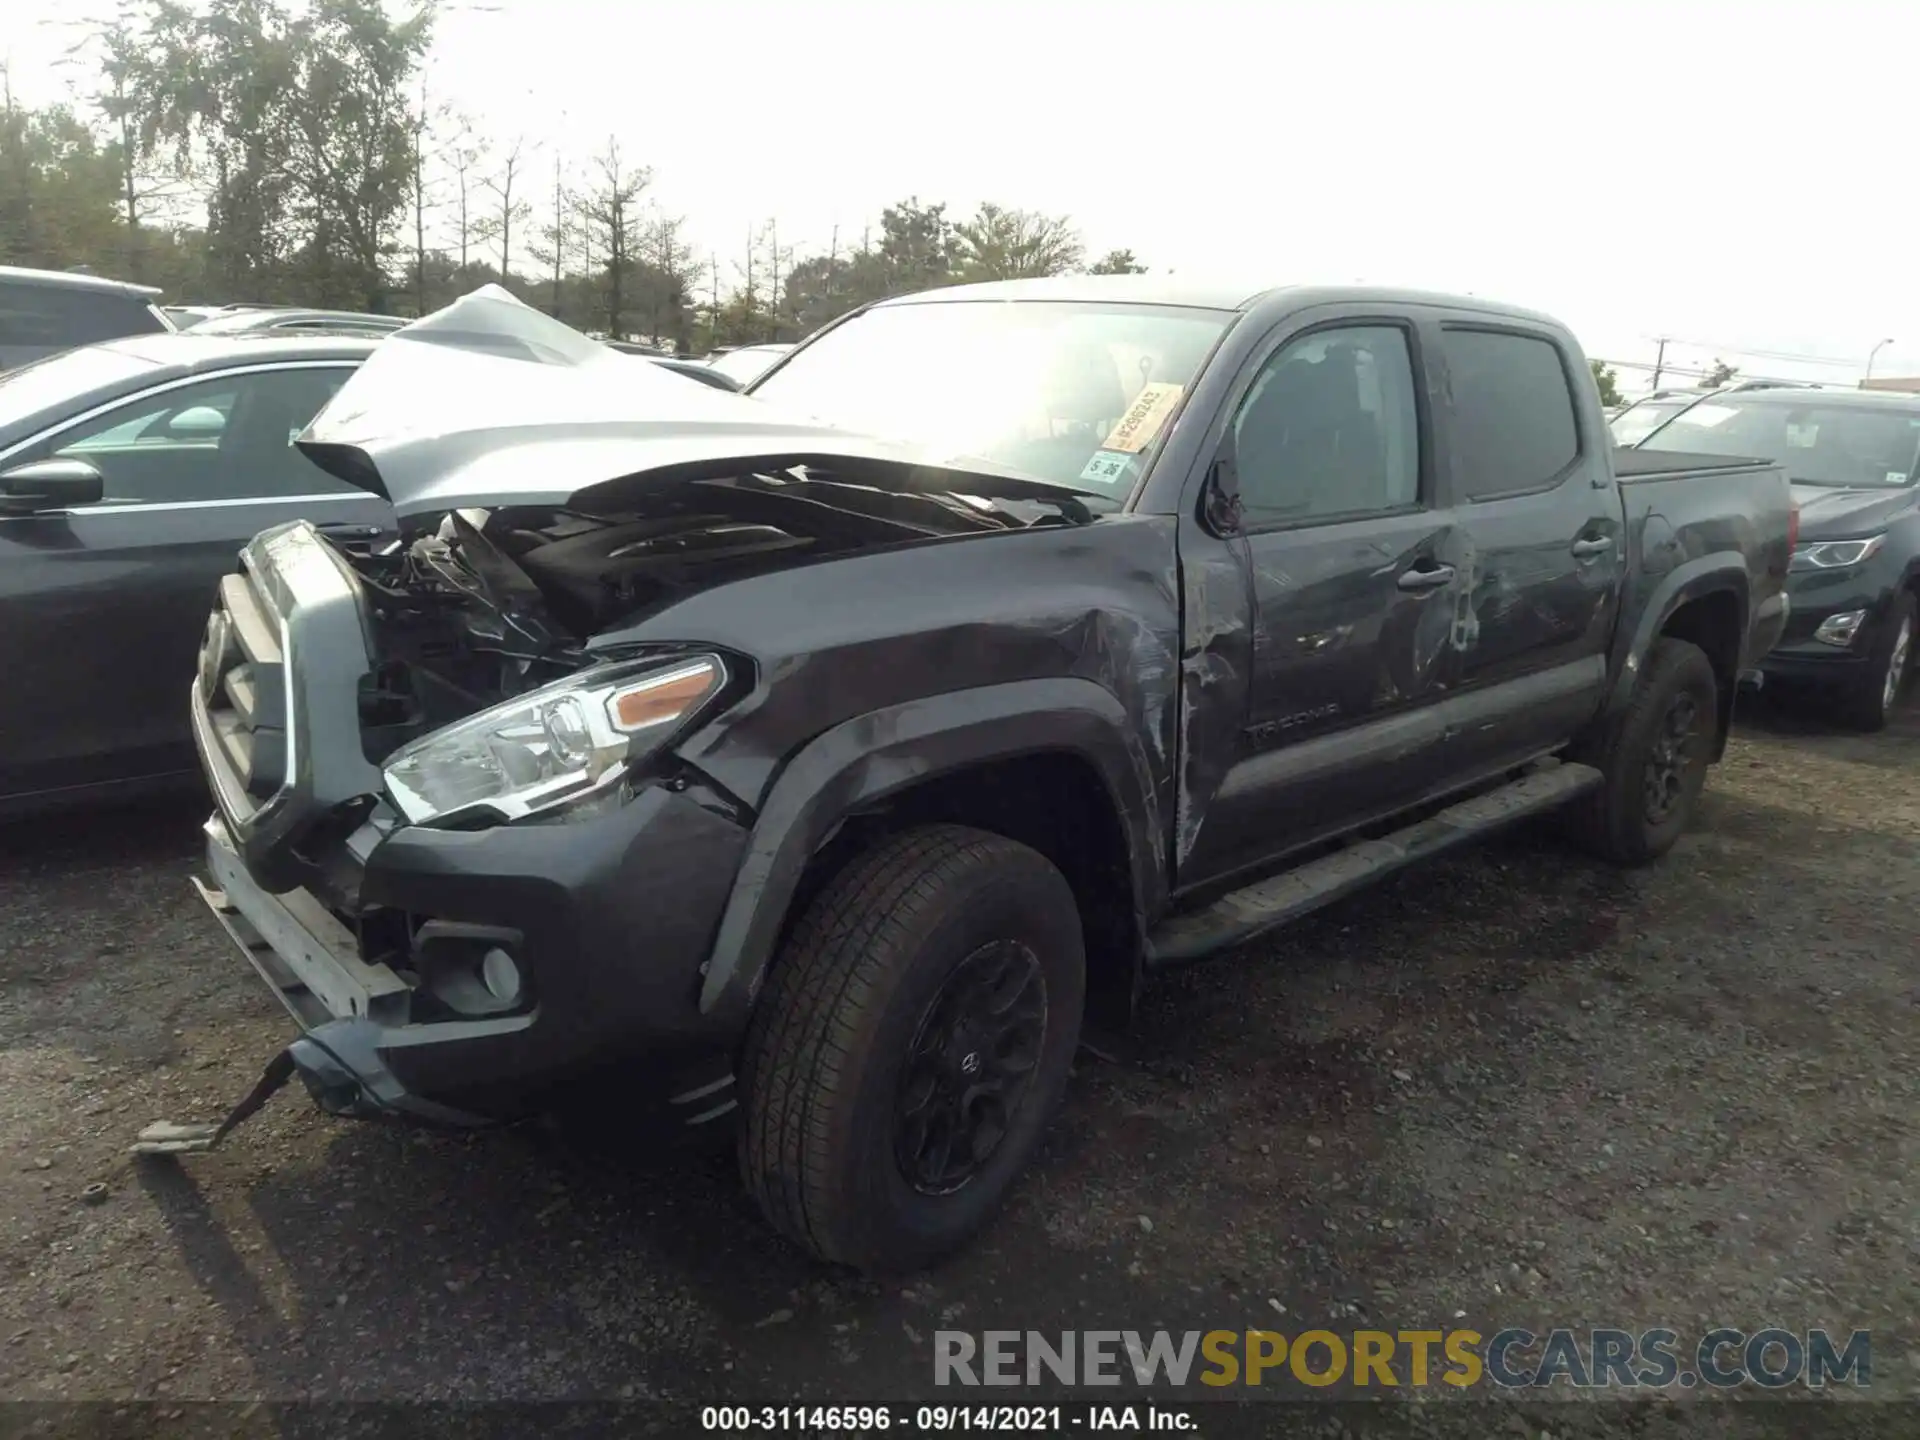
[(1107, 467), (1144, 418)]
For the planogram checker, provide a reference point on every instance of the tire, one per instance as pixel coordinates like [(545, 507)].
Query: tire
[(1868, 703), (1619, 821), (826, 1070)]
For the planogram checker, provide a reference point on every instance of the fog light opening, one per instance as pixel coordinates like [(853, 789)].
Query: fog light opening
[(501, 976), (470, 969), (1839, 630)]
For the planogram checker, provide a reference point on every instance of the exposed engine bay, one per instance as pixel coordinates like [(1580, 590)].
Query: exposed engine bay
[(494, 603)]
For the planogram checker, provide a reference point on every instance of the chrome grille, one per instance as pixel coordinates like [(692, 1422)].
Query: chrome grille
[(242, 680), (275, 701)]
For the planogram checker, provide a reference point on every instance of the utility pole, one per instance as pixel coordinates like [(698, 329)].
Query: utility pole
[(1659, 359)]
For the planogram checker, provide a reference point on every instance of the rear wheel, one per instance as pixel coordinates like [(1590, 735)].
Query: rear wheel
[(912, 1044), (1653, 759), (1868, 703)]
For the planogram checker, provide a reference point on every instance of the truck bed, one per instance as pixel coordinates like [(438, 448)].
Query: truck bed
[(1631, 465)]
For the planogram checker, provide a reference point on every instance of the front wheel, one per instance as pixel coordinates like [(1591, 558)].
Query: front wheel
[(1653, 758), (912, 1043), (1868, 704)]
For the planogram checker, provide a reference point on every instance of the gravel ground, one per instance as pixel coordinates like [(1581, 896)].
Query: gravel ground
[(1513, 1086)]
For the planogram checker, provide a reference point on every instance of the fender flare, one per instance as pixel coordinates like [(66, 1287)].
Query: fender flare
[(1723, 573), (885, 751)]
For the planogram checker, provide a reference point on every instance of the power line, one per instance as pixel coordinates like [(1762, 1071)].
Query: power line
[(1690, 372), (1787, 356)]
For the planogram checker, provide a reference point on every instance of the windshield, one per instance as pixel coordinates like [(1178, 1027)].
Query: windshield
[(1846, 445), (1636, 422), (1075, 394)]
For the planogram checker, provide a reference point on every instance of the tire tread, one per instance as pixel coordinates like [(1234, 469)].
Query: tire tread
[(824, 991), (1607, 821)]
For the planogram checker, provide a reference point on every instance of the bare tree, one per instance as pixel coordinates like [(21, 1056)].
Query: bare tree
[(553, 252), (713, 305), (611, 209), (422, 127), (464, 155), (671, 260), (115, 50), (507, 211)]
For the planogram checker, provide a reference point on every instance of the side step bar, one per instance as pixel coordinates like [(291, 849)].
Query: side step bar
[(1269, 903)]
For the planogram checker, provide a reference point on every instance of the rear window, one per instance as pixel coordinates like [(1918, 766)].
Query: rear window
[(1513, 420), (53, 315)]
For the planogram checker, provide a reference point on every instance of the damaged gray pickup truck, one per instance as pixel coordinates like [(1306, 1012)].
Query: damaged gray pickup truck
[(825, 754)]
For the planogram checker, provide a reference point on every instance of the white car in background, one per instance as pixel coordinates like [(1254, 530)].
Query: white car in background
[(746, 363)]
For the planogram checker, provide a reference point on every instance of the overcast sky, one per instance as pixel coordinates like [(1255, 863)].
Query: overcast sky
[(1736, 175)]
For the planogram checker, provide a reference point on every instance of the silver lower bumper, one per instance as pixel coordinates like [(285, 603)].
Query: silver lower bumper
[(348, 1010), (308, 958)]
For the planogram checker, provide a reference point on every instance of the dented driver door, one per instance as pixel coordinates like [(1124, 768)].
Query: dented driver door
[(1350, 557)]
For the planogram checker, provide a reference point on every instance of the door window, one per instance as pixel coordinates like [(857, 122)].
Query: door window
[(1513, 423), (1330, 429), (225, 438)]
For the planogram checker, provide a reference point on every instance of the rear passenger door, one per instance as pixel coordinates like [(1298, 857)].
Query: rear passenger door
[(1348, 552), (1542, 542)]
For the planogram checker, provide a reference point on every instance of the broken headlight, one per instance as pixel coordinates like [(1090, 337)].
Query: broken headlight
[(550, 747)]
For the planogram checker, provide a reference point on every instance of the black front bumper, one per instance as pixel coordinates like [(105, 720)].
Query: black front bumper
[(358, 922), (1798, 658), (610, 922)]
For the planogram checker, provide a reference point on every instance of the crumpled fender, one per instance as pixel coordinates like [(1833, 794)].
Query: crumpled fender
[(871, 756), (1722, 573)]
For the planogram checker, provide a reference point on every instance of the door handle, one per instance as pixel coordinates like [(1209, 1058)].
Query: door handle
[(347, 530), (1586, 549), (1425, 579)]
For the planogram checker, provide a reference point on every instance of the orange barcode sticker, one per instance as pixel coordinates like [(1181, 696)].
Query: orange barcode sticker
[(1144, 419)]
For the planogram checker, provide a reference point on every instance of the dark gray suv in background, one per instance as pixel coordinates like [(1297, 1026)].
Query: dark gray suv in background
[(1854, 459), (44, 311), (131, 473)]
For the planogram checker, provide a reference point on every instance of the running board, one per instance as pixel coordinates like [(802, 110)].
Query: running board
[(1262, 906)]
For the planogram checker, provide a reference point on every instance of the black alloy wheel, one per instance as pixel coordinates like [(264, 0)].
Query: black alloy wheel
[(970, 1067)]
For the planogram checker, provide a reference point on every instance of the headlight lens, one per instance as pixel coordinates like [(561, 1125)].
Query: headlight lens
[(552, 746), (1836, 554)]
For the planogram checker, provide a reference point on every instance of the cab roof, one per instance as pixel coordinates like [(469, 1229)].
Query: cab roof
[(1202, 293)]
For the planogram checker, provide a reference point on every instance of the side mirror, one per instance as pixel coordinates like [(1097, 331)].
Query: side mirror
[(49, 485), (197, 420), (1220, 497)]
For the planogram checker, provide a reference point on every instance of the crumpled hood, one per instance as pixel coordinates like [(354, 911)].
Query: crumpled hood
[(489, 402), (1831, 513)]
